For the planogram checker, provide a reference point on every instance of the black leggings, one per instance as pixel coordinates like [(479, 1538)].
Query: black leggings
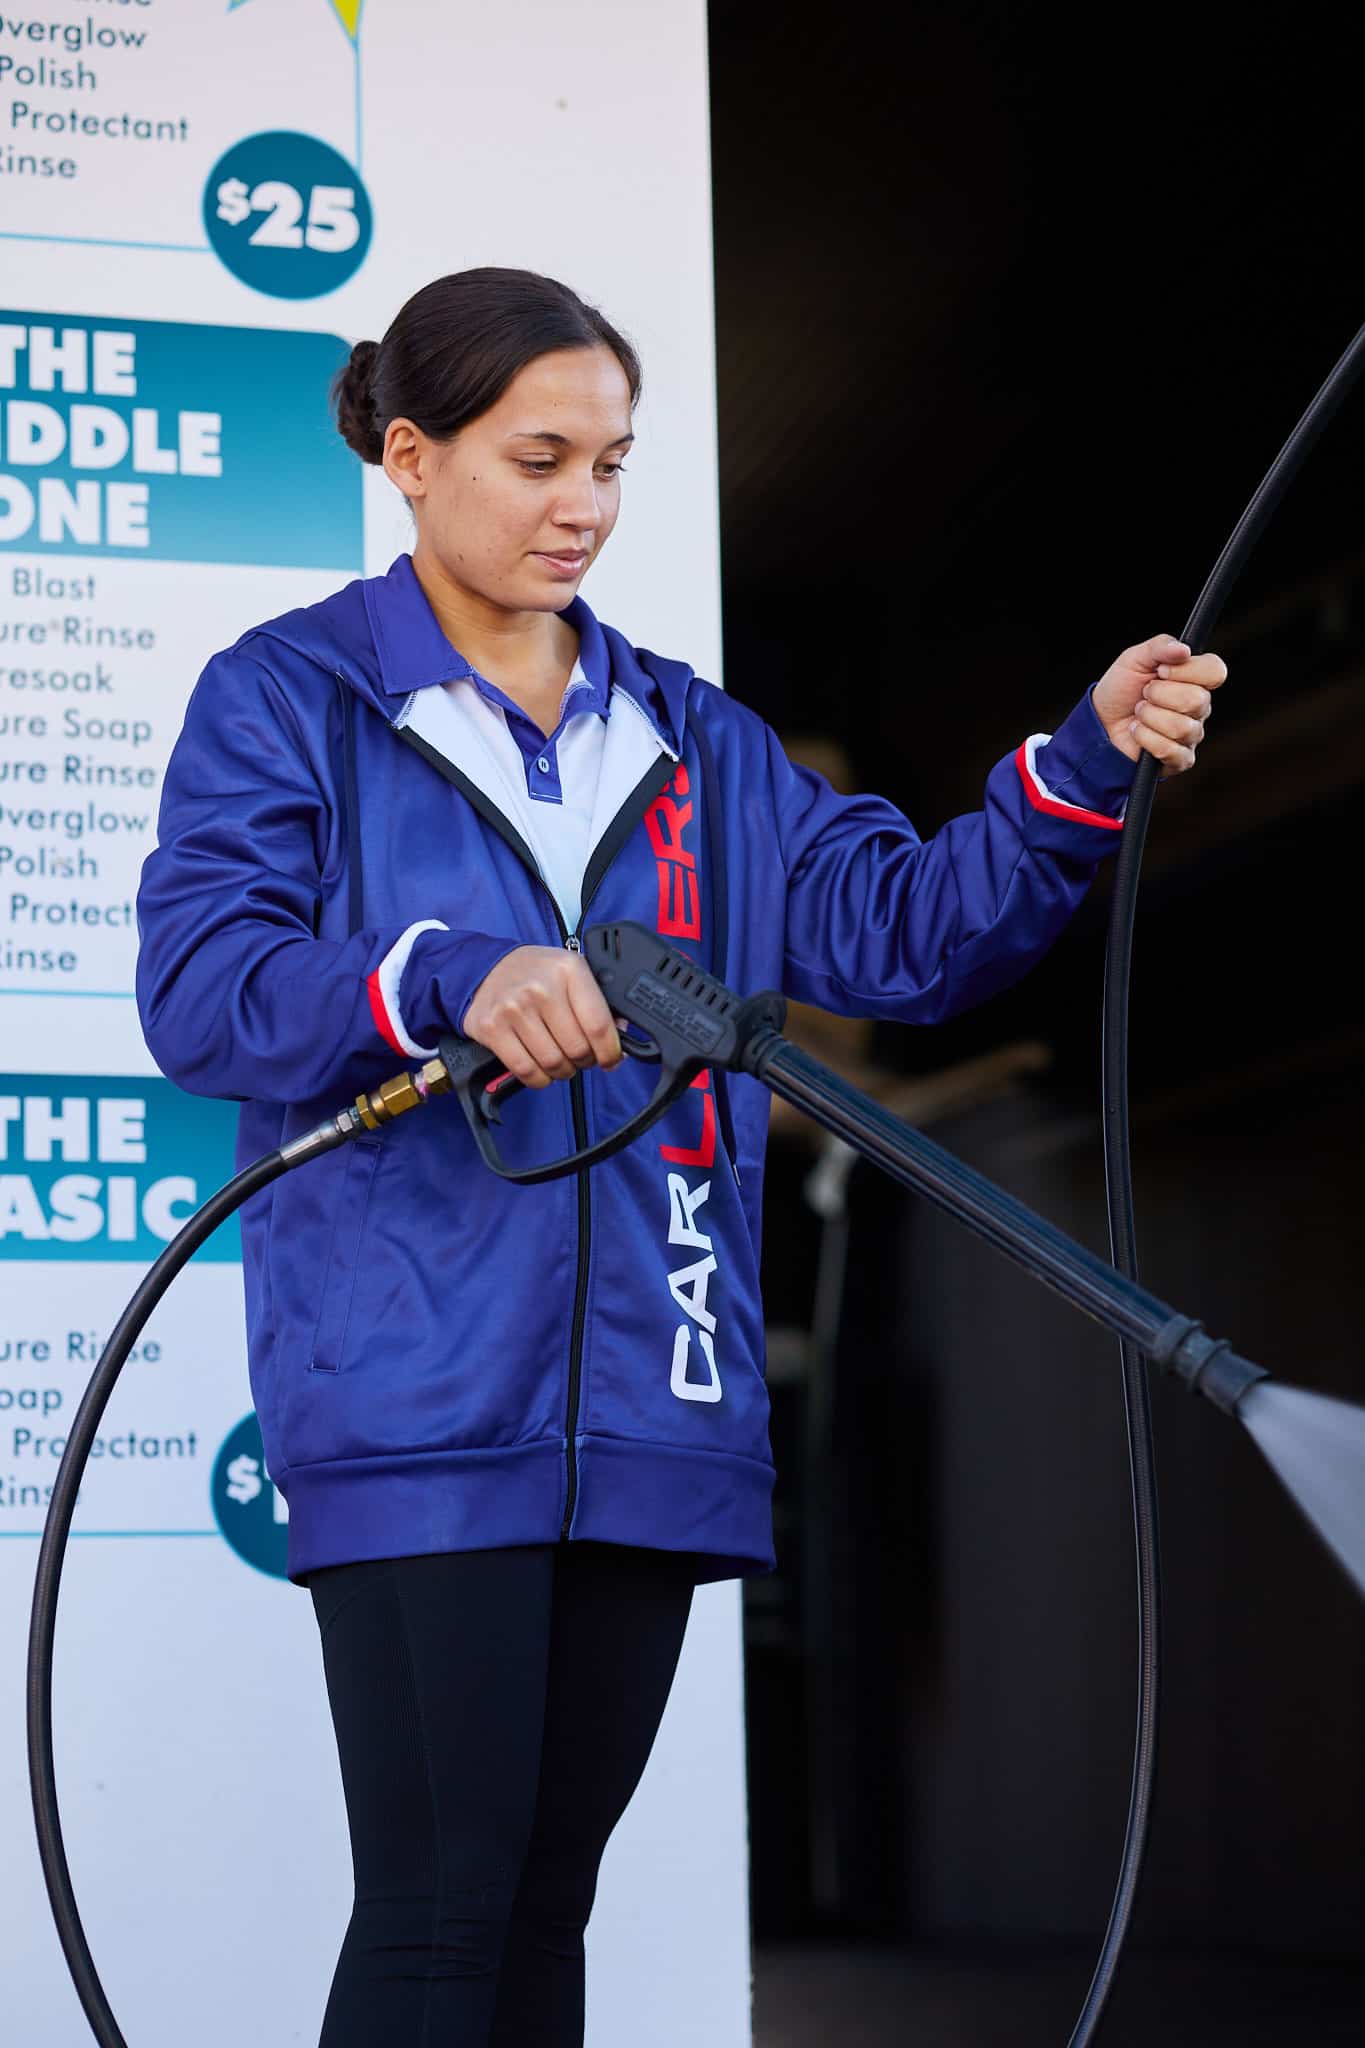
[(494, 1710)]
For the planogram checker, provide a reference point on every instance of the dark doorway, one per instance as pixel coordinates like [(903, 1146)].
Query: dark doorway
[(1010, 323)]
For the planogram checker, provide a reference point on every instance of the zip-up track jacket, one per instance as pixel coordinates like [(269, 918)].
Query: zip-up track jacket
[(441, 1361)]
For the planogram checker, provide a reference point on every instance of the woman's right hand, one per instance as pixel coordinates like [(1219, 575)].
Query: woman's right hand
[(542, 1013)]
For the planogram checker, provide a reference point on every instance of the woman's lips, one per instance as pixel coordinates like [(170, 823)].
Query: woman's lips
[(564, 565)]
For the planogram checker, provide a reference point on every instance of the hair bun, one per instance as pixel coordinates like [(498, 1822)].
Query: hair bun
[(353, 396)]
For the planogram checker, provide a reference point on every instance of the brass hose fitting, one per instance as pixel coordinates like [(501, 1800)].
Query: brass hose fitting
[(400, 1093)]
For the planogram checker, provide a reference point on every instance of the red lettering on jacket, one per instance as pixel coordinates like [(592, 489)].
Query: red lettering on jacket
[(679, 898), (679, 910), (704, 1153), (680, 918)]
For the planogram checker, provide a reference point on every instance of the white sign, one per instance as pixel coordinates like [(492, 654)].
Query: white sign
[(203, 203)]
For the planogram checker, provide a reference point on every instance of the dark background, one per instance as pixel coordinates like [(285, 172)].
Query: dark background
[(1014, 309)]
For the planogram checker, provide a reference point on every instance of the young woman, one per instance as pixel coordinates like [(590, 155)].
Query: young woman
[(515, 1426)]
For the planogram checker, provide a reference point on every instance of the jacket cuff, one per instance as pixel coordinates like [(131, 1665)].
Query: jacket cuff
[(1077, 772), (440, 977)]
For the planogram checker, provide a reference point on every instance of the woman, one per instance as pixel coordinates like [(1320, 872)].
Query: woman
[(516, 1426)]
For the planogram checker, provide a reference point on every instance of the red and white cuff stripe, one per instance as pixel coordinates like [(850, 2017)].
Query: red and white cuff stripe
[(1041, 797), (382, 988)]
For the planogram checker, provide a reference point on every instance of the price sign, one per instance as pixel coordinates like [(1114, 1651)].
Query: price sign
[(287, 214), (251, 1515)]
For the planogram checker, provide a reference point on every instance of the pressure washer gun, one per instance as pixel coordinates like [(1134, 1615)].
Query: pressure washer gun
[(683, 1020), (674, 1016)]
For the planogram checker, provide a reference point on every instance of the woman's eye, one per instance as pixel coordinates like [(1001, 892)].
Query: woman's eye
[(605, 471)]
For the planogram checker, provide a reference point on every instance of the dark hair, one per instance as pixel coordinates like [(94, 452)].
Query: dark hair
[(453, 349)]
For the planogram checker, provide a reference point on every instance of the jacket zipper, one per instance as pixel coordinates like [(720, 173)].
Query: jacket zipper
[(610, 844), (578, 1101), (578, 1097)]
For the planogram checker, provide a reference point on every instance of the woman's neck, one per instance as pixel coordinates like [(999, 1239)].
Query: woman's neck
[(529, 655)]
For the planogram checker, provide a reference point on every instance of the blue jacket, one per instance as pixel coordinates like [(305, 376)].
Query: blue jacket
[(441, 1361)]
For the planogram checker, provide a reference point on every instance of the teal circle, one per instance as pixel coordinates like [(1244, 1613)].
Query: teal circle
[(245, 1505), (287, 214)]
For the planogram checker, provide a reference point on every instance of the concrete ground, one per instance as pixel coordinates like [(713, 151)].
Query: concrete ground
[(845, 1996)]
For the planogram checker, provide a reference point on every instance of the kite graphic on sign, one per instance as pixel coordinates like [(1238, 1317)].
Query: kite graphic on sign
[(347, 13)]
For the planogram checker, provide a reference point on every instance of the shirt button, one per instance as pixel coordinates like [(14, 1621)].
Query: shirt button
[(543, 765)]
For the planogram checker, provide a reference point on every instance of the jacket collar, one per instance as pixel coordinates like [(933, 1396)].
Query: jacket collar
[(414, 652)]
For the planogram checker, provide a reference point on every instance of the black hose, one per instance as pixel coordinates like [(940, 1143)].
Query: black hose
[(51, 1556), (1118, 1175), (995, 1219)]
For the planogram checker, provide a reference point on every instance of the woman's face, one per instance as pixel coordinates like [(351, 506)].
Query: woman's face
[(520, 502)]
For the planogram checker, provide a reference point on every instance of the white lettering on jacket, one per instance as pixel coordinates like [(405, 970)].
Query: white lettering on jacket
[(688, 1285)]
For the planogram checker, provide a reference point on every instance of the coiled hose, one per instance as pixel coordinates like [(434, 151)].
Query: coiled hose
[(1118, 1177), (262, 1172)]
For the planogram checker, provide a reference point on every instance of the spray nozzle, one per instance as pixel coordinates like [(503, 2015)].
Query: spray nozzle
[(1209, 1366)]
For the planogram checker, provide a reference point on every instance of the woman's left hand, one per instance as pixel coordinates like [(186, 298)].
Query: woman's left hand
[(1155, 699)]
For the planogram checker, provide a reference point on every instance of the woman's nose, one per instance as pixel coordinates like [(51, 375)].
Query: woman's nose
[(579, 507)]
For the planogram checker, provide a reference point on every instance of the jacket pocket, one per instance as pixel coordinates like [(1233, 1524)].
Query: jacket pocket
[(343, 1256)]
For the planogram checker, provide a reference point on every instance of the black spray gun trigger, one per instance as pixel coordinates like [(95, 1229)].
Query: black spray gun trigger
[(493, 1094), (670, 1012), (489, 1098), (638, 1043)]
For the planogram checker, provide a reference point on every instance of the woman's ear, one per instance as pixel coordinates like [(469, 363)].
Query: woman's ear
[(406, 456)]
